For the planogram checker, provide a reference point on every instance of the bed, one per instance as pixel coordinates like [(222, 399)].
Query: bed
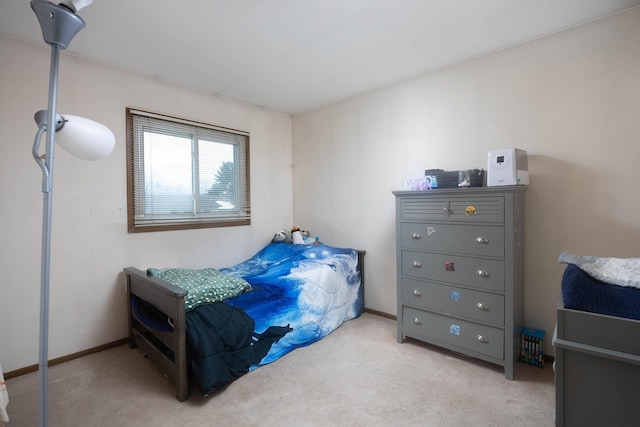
[(297, 295), (597, 350)]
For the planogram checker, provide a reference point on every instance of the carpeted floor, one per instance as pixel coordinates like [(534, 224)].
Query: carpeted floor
[(357, 376)]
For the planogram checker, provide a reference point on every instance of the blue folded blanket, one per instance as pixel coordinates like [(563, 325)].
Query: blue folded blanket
[(580, 291)]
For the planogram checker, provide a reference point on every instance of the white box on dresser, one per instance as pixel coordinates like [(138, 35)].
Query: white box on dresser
[(460, 270)]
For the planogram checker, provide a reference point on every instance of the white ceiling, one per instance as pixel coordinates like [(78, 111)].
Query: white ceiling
[(294, 56)]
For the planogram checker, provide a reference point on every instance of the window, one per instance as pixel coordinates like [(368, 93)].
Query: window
[(183, 174)]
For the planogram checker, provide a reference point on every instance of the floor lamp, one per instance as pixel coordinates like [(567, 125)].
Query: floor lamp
[(81, 137)]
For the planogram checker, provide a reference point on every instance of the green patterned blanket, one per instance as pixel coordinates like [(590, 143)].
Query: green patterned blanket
[(203, 286)]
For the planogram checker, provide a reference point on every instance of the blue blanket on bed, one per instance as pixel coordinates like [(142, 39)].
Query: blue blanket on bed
[(300, 294), (580, 291), (312, 288)]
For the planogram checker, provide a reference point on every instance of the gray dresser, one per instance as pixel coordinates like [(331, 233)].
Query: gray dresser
[(460, 270)]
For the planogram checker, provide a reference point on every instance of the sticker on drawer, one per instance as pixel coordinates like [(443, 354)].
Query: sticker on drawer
[(454, 329), (455, 296)]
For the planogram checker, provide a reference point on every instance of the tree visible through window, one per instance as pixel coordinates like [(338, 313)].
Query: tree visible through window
[(183, 174), (225, 185)]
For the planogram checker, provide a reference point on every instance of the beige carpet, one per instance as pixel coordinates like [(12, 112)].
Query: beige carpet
[(357, 376)]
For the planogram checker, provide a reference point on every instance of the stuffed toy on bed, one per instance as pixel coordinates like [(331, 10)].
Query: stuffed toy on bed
[(308, 240), (296, 236), (280, 236)]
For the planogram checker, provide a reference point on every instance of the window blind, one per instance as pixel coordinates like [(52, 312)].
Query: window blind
[(185, 174)]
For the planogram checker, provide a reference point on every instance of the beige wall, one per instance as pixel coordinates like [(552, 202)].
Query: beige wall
[(572, 100), (90, 244)]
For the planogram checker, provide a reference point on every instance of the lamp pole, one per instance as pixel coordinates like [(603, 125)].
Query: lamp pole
[(47, 190), (59, 25)]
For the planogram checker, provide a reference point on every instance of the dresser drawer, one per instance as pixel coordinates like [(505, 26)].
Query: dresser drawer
[(467, 335), (482, 240), (467, 271), (466, 209), (474, 305)]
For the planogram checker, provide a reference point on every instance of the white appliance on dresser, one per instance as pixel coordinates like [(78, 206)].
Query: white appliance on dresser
[(460, 270), (507, 166)]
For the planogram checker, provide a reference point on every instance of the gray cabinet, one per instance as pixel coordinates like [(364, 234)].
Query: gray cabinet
[(460, 270)]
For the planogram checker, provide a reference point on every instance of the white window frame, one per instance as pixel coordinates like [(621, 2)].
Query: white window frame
[(140, 212)]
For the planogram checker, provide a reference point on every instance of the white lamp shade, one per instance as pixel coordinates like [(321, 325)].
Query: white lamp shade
[(76, 5), (85, 139)]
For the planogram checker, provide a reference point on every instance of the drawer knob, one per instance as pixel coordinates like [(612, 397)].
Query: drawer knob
[(417, 321), (417, 293), (417, 264), (415, 236), (481, 239), (482, 338), (482, 273), (482, 306)]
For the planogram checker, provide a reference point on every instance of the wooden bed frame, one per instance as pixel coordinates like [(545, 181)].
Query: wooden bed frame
[(168, 350)]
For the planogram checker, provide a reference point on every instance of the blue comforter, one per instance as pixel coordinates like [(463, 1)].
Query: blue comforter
[(311, 288), (300, 294)]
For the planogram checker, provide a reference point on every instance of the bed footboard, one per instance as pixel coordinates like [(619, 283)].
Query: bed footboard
[(597, 368), (167, 350)]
